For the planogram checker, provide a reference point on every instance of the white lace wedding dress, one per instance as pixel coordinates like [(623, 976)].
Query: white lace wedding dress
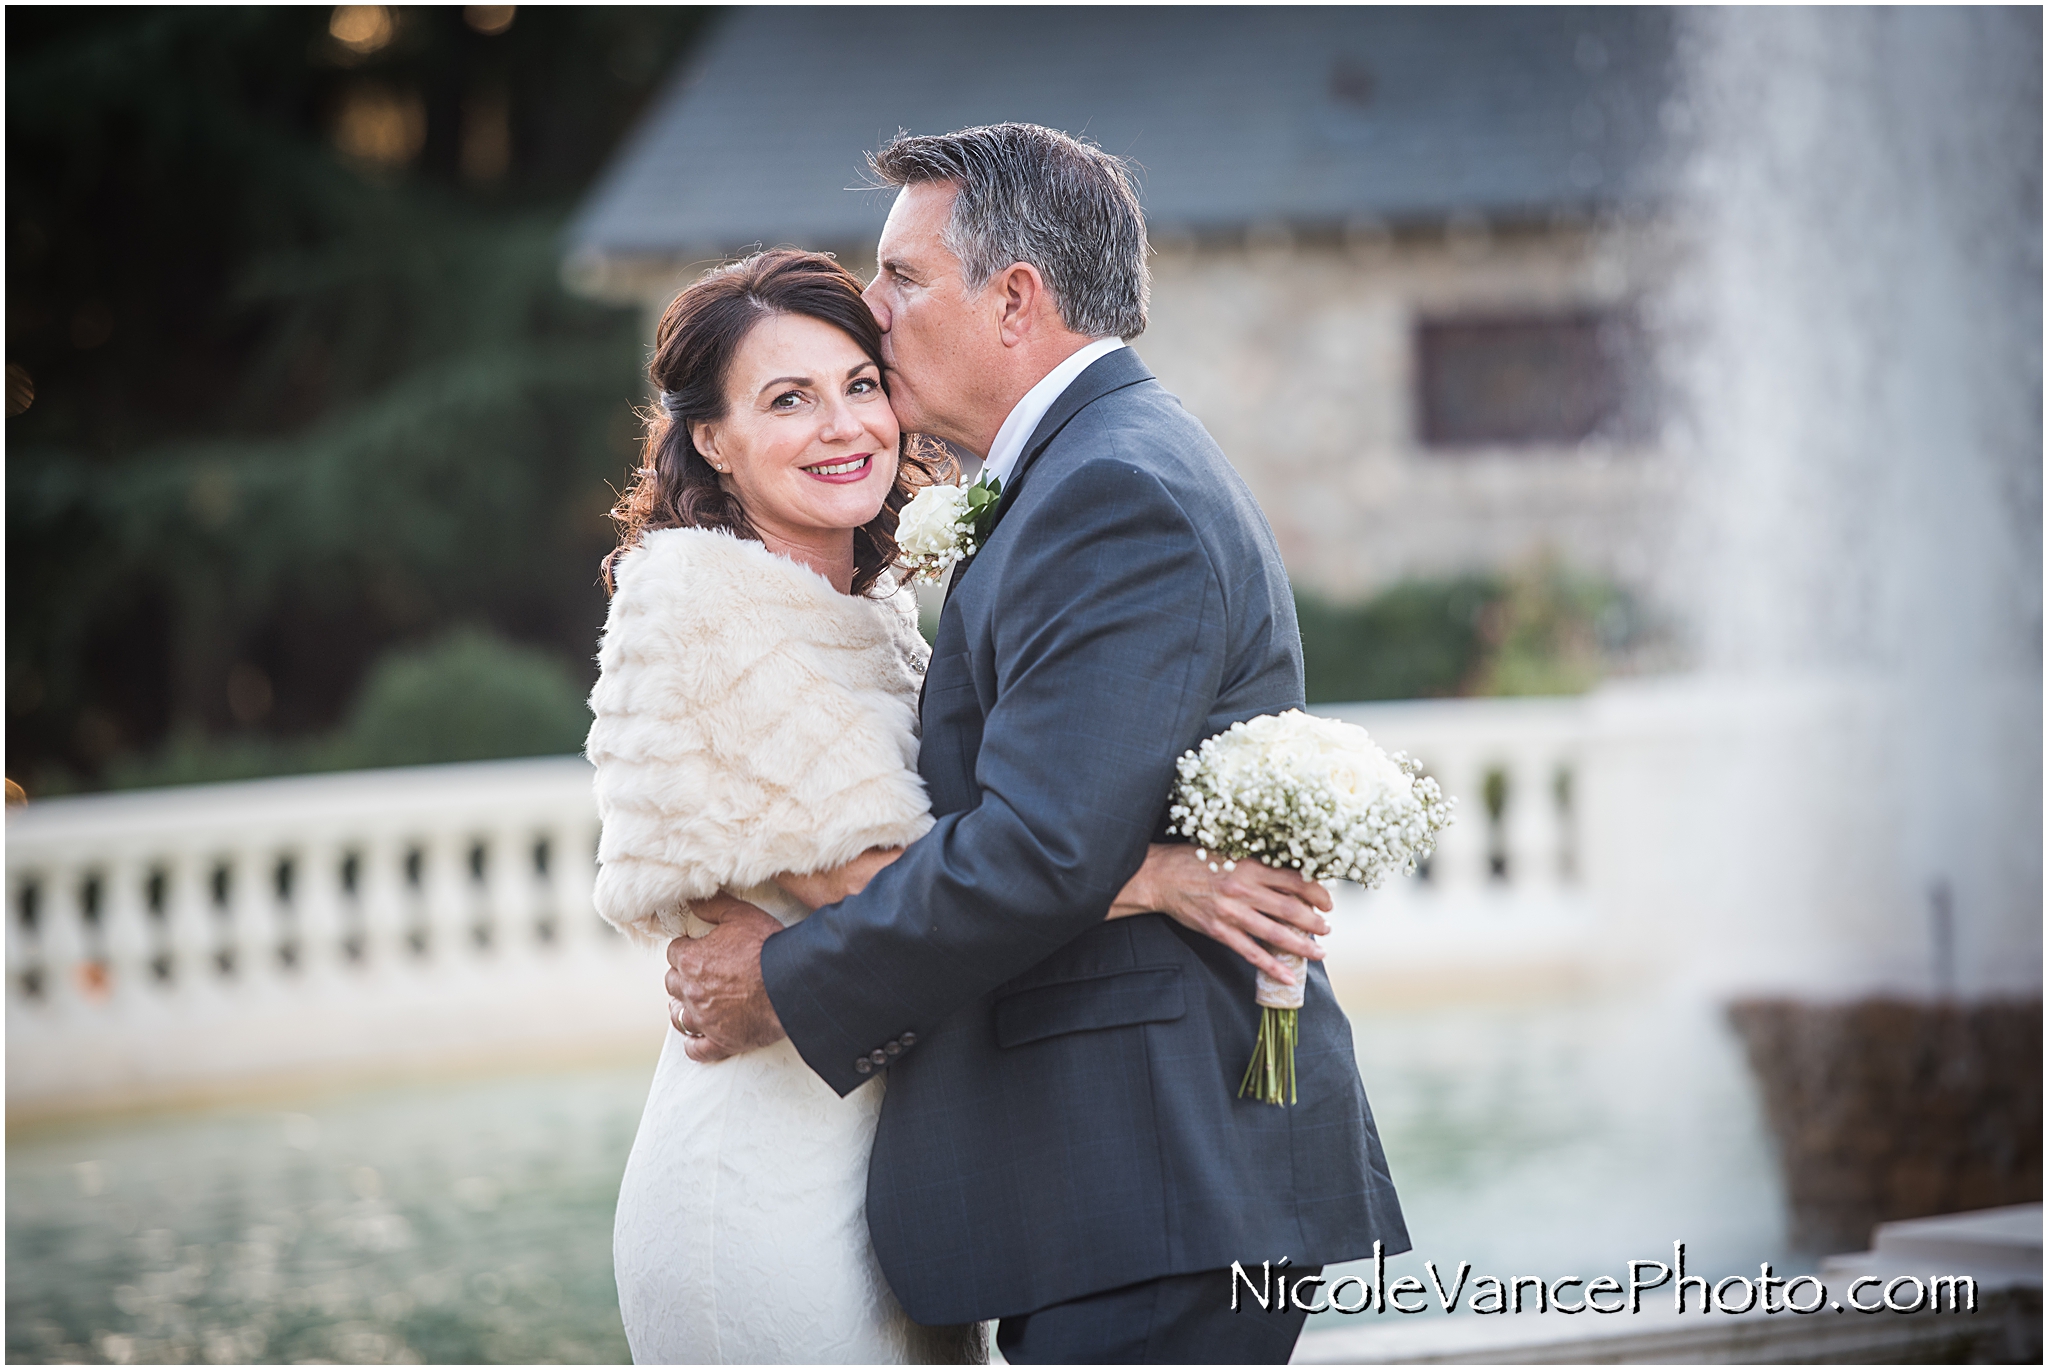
[(742, 1232), (751, 720)]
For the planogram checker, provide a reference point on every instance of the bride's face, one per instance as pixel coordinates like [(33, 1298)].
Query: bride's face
[(808, 441)]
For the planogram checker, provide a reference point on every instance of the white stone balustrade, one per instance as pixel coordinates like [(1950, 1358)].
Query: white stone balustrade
[(1529, 744), (160, 941), (168, 940), (1504, 905)]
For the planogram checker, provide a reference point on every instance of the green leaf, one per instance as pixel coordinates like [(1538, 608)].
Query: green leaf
[(982, 498)]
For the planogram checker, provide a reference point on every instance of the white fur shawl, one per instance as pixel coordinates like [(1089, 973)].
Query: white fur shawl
[(751, 720)]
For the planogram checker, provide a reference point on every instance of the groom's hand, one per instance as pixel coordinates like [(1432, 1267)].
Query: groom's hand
[(716, 998)]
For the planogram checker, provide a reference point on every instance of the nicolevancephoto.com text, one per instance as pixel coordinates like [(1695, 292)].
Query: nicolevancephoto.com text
[(1271, 1286)]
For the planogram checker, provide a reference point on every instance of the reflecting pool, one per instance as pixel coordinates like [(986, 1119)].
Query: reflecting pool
[(1570, 1138), (449, 1222), (470, 1220)]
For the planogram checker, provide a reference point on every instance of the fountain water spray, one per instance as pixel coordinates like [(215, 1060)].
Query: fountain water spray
[(1854, 350)]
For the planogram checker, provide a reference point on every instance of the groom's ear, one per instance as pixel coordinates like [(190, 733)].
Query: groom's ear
[(1020, 296)]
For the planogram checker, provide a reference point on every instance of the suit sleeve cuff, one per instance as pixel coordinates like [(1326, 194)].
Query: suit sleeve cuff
[(833, 1055)]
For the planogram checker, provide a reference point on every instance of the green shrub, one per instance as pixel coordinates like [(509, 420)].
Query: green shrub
[(1418, 639), (468, 696), (194, 758), (1551, 632), (1539, 629)]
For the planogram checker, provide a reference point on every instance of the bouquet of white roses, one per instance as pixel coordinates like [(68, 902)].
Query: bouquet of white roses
[(1311, 795), (944, 524)]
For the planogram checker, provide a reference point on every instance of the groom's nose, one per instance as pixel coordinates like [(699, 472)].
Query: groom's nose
[(876, 306)]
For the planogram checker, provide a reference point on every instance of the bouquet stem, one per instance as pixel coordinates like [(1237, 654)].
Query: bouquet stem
[(1270, 1076)]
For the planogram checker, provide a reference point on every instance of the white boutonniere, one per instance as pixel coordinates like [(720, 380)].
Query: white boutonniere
[(945, 524)]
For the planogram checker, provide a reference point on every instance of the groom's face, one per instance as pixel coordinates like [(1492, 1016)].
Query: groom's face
[(941, 343)]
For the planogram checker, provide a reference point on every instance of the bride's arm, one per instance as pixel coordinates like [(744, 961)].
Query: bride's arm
[(819, 888), (813, 890), (1243, 908), (1249, 909)]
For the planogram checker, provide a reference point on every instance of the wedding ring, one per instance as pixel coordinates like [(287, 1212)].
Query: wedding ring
[(687, 1032)]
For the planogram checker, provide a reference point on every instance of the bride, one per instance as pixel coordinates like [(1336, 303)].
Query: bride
[(756, 738)]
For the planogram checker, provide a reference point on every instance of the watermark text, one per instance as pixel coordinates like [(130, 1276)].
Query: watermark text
[(1272, 1286)]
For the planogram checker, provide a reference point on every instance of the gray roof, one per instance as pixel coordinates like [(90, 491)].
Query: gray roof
[(1235, 115)]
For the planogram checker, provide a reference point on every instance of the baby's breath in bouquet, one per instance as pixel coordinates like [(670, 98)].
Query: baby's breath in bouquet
[(1310, 795)]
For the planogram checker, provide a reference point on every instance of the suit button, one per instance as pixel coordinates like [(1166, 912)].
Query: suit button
[(908, 1039), (878, 1056), (862, 1065), (894, 1048)]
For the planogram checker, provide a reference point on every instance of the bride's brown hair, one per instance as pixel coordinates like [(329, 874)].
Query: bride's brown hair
[(702, 329)]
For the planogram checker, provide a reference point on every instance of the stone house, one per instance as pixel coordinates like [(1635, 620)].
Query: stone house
[(1398, 252)]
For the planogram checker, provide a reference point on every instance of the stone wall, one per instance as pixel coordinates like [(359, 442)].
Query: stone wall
[(1298, 355), (1300, 358)]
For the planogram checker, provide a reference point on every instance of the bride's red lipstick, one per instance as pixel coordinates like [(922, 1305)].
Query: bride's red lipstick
[(860, 466)]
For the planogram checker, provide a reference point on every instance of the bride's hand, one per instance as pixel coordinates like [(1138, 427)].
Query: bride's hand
[(715, 909), (1249, 909), (819, 888)]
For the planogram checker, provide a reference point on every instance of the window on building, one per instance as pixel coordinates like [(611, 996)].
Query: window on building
[(1525, 380)]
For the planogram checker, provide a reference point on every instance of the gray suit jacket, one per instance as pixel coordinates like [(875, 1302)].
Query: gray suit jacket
[(1062, 1113)]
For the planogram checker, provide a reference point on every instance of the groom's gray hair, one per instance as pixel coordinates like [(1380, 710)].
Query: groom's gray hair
[(1034, 194)]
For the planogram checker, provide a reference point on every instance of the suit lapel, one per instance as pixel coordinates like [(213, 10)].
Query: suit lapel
[(1116, 371)]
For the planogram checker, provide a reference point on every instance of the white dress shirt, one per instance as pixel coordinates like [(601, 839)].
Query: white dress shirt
[(1023, 420)]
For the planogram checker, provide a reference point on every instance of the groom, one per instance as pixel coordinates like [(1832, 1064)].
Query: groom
[(1062, 1146)]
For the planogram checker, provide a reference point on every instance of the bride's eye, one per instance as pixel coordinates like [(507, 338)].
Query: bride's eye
[(786, 401), (866, 385)]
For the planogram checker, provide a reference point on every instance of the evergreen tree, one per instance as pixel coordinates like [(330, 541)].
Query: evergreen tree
[(292, 381)]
